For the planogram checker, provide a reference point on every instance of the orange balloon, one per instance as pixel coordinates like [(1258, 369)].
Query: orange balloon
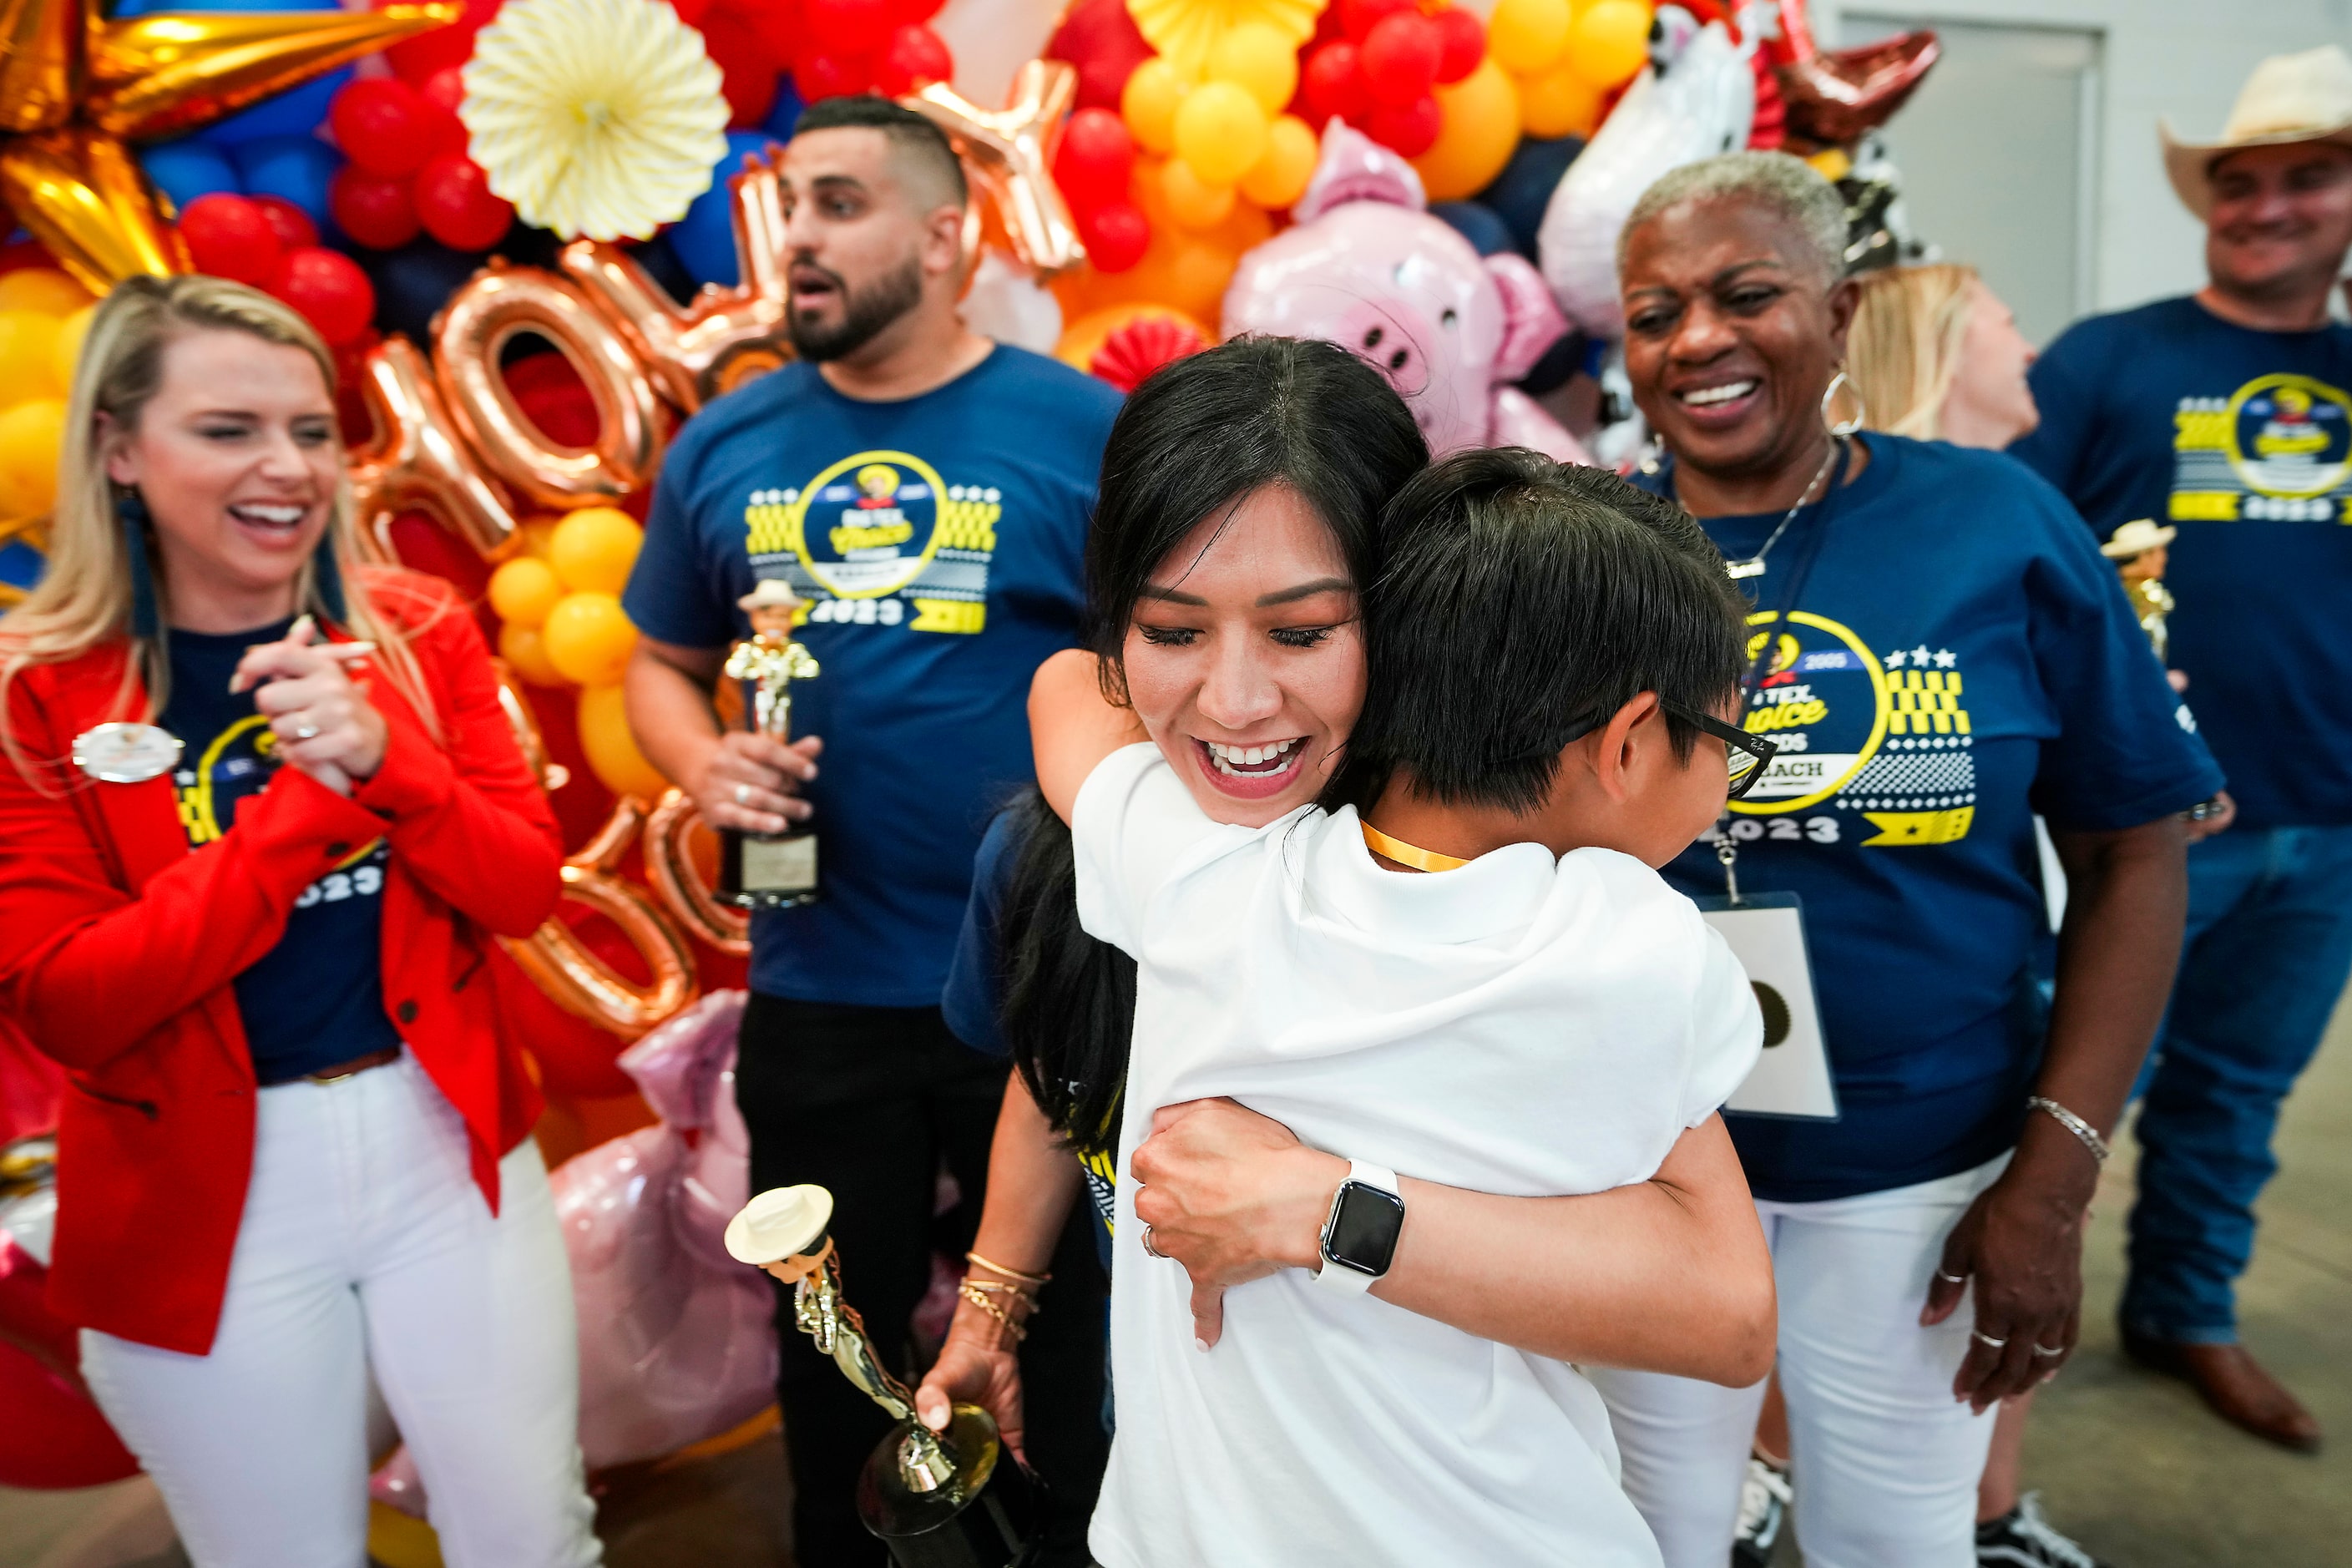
[(1477, 132), (28, 357), (30, 436), (594, 548), (610, 747), (1149, 102), (522, 647), (588, 639), (1190, 201), (523, 590), (1559, 103), (1609, 41), (1280, 177), (70, 333), (42, 289)]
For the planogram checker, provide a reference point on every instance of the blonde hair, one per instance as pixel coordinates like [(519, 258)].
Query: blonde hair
[(1903, 352), (84, 597)]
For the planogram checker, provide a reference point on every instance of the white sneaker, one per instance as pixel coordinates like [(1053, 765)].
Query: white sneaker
[(2021, 1538), (1764, 1499)]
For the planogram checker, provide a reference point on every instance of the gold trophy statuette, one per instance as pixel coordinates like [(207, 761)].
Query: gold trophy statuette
[(937, 1499), (2137, 548), (761, 871)]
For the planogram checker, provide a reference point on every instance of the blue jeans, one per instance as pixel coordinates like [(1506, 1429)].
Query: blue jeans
[(2268, 948)]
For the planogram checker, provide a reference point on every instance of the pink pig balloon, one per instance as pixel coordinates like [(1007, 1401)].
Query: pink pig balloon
[(1365, 265)]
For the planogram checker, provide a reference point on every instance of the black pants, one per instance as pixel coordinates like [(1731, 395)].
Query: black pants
[(870, 1102)]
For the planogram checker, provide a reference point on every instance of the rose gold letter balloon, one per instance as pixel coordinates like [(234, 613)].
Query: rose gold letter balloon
[(725, 336), (1006, 153), (416, 460), (670, 866), (574, 978), (495, 305)]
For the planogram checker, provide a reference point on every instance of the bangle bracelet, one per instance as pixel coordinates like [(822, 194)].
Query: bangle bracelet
[(971, 1292), (1032, 1281), (2073, 1123)]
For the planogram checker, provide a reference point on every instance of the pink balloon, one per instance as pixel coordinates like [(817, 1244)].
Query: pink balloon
[(1364, 266)]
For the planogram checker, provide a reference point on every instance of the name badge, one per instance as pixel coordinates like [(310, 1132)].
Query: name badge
[(126, 753), (1766, 932)]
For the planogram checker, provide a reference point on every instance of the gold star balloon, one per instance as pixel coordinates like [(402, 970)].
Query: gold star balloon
[(74, 88)]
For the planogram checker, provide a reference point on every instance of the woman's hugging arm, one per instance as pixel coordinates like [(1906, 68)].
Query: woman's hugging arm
[(1073, 726), (1666, 1274)]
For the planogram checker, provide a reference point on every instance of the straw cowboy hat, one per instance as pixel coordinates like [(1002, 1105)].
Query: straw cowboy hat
[(2290, 98)]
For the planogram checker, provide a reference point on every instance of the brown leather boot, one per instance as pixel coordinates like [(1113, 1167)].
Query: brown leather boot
[(2234, 1384)]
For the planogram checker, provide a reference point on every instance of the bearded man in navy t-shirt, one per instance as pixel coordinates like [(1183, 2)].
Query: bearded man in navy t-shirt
[(925, 492), (2227, 416)]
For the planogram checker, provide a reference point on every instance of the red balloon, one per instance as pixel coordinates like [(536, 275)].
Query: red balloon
[(370, 209), (414, 59), (747, 67), (454, 202), (1400, 59), (1117, 235), (54, 1435), (832, 76), (294, 227), (1333, 83), (1358, 17), (446, 87), (329, 289), (916, 57), (228, 236), (1410, 131), (443, 91), (380, 125), (1463, 40), (914, 13), (1096, 159), (1103, 42), (847, 26)]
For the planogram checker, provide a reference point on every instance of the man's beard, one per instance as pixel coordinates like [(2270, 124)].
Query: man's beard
[(863, 313)]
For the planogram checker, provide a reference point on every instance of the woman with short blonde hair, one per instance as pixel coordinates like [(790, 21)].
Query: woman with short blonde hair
[(260, 815), (1935, 354)]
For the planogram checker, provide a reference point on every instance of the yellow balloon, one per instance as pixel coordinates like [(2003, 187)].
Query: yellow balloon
[(42, 289), (1255, 58), (1148, 104), (588, 639), (523, 590), (28, 357), (30, 434), (1478, 127), (594, 548), (1525, 37), (525, 652), (1189, 202), (537, 533), (1559, 103), (1221, 132), (1280, 177), (1609, 41), (70, 333), (611, 750)]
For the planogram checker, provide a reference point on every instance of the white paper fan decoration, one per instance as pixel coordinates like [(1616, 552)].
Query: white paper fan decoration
[(596, 118)]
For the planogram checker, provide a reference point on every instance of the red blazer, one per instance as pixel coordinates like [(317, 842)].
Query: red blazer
[(118, 944)]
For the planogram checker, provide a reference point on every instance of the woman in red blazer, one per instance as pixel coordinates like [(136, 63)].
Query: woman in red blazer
[(257, 831)]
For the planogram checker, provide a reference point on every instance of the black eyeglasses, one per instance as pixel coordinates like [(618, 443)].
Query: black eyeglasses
[(1749, 755)]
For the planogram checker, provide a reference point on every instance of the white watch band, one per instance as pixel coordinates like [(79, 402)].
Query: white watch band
[(1338, 1276)]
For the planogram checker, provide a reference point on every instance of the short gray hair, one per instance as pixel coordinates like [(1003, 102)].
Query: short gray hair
[(1789, 187)]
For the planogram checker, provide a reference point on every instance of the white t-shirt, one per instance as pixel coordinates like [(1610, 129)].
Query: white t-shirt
[(1521, 1025)]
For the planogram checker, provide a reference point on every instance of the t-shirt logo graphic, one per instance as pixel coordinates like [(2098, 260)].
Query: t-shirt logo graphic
[(880, 539), (1887, 739), (2278, 449)]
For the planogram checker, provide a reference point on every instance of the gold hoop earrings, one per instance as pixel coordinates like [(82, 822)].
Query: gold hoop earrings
[(1843, 428)]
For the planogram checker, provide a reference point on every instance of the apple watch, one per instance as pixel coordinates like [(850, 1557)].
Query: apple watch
[(1360, 1237)]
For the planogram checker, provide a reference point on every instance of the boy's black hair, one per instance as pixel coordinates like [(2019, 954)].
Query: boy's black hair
[(1209, 430), (1524, 602), (911, 135)]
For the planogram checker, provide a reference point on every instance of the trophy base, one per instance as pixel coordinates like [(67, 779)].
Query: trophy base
[(991, 1513), (757, 900), (756, 873)]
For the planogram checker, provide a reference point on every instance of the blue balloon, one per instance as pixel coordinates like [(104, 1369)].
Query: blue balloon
[(414, 282), (1523, 189), (787, 111), (187, 170), (1488, 234), (704, 238), (294, 167)]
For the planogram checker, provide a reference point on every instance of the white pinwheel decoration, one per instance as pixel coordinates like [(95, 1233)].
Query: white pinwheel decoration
[(596, 118)]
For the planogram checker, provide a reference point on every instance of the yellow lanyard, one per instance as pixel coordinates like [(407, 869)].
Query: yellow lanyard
[(1411, 854)]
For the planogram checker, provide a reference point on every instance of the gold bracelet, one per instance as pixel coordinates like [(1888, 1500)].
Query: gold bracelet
[(980, 1298), (1032, 1281)]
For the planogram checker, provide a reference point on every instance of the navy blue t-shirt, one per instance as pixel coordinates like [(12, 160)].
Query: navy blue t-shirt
[(2242, 440), (1961, 657), (939, 541), (317, 998)]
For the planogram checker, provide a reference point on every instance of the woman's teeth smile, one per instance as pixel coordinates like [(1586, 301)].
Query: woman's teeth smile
[(1708, 396), (268, 518), (1254, 762)]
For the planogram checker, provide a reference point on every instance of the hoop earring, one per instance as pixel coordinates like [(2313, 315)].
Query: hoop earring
[(1843, 428)]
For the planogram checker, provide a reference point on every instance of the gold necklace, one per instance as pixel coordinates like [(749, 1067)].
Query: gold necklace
[(1411, 854)]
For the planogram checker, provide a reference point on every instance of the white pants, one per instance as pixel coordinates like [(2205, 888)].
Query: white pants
[(365, 1243), (1885, 1461)]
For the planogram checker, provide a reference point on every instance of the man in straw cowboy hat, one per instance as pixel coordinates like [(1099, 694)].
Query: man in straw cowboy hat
[(2227, 416)]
